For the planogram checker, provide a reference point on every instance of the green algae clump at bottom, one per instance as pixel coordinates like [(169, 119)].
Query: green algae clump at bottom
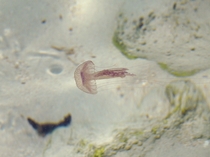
[(184, 96), (99, 152)]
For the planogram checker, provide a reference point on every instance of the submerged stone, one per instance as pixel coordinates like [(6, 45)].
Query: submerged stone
[(173, 36)]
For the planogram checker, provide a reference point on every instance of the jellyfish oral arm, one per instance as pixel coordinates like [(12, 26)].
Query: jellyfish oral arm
[(82, 77), (112, 73)]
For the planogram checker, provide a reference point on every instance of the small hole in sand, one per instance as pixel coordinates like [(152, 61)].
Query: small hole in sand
[(55, 69)]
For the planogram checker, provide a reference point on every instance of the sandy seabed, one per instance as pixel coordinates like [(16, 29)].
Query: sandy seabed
[(42, 43)]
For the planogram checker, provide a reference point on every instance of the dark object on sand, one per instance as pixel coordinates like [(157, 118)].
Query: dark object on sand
[(47, 128)]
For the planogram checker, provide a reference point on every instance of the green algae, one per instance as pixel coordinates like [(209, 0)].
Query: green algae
[(188, 105), (122, 48), (155, 129), (82, 143), (176, 72), (137, 133), (90, 149), (184, 95), (122, 138), (99, 152)]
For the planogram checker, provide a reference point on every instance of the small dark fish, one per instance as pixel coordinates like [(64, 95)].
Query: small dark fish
[(47, 128)]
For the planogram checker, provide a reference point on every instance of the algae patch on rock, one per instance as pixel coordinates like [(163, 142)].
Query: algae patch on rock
[(122, 47), (189, 110), (184, 95), (179, 73)]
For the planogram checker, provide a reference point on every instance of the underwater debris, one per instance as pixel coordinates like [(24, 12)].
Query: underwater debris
[(47, 128), (85, 76)]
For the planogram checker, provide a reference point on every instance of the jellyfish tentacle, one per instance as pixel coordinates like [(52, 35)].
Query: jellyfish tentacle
[(112, 73)]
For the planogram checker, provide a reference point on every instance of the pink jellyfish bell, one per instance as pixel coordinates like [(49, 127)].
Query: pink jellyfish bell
[(85, 76)]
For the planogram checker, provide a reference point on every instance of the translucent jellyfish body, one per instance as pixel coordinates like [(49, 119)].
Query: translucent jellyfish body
[(85, 76)]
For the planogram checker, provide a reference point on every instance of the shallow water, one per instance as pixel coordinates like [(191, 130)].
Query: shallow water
[(41, 44)]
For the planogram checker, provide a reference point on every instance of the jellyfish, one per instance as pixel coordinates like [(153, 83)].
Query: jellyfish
[(85, 76)]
